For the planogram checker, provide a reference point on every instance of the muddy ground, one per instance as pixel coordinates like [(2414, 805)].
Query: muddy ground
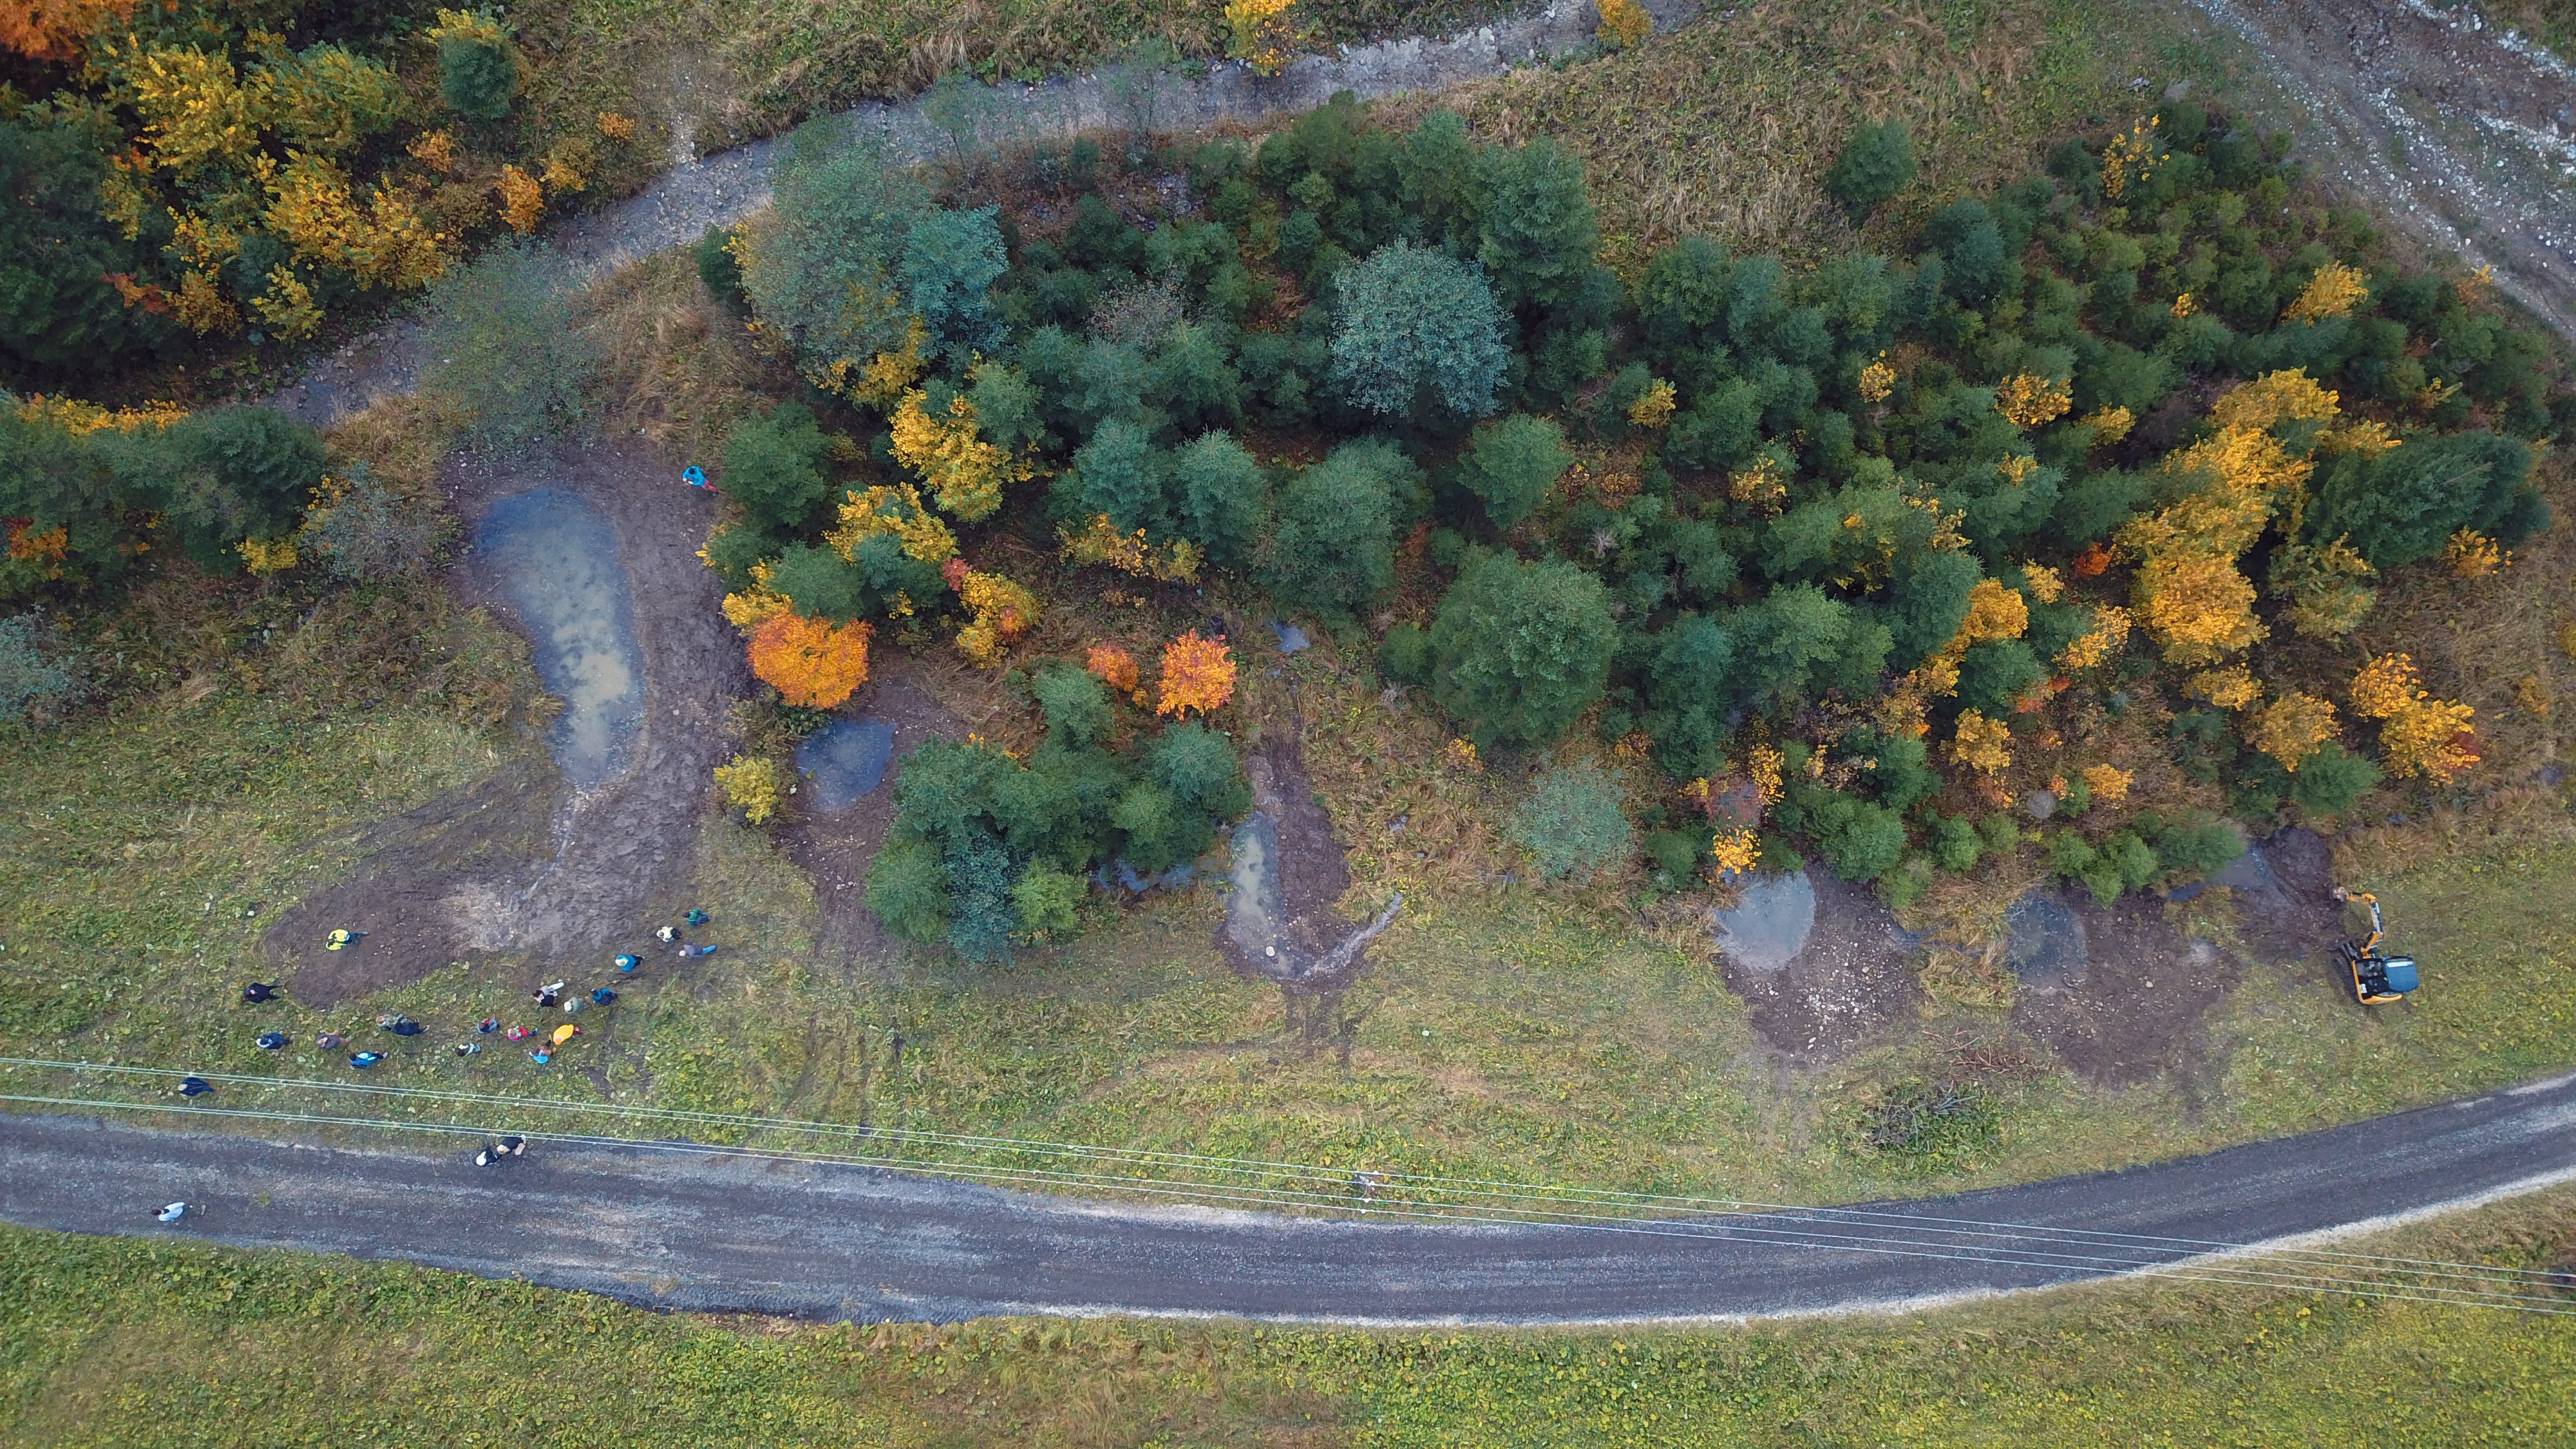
[(2438, 124), (524, 863), (2134, 1010), (1853, 979), (836, 849)]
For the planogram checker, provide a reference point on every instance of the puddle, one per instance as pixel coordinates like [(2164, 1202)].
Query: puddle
[(1253, 911), (2048, 946), (556, 557), (1771, 922), (844, 761)]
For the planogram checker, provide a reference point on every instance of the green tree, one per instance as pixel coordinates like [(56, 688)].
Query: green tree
[(908, 890), (2332, 780), (59, 317), (820, 584), (2402, 505), (1521, 649), (820, 264), (1787, 638), (478, 68), (1417, 333), (1572, 823), (951, 259), (1875, 164), (1511, 463), (1223, 498), (1047, 901), (1539, 232), (1333, 549), (773, 467), (1122, 474), (219, 477), (1075, 703)]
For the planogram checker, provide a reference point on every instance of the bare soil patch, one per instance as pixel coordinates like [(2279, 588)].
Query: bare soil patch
[(836, 849), (458, 878), (1853, 979), (2135, 1012)]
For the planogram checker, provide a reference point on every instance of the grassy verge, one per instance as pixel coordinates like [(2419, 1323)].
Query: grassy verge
[(153, 1343)]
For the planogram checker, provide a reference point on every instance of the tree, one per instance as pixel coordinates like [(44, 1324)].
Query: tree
[(1198, 674), (1119, 473), (950, 261), (1417, 333), (1074, 703), (1047, 901), (1539, 232), (1222, 498), (59, 315), (1512, 463), (1112, 666), (2398, 506), (219, 477), (811, 663), (478, 71), (1572, 823), (774, 468), (750, 783), (908, 890), (1875, 164), (820, 263), (1521, 649), (507, 347), (1334, 547)]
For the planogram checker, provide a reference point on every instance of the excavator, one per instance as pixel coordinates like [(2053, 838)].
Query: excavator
[(2377, 978)]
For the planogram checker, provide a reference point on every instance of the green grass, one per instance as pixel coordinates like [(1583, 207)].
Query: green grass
[(141, 1344)]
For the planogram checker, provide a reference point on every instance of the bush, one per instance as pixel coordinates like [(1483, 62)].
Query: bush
[(1572, 823), (217, 478), (1333, 550), (773, 467), (719, 269), (508, 351), (2332, 780), (820, 584), (1956, 843), (361, 529), (1404, 655), (1937, 1127), (2192, 849), (1875, 164), (1417, 333), (1120, 473), (908, 890), (478, 71), (818, 265), (1075, 704), (2402, 505), (1047, 901), (1511, 464), (32, 685), (1861, 838), (1519, 650)]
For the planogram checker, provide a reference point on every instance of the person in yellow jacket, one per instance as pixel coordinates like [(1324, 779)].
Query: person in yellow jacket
[(565, 1033)]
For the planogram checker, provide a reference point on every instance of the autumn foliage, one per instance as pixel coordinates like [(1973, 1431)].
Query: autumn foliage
[(54, 29), (2421, 735), (811, 663), (1198, 674), (1112, 666)]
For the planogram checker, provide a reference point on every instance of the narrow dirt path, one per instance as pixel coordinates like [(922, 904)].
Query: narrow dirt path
[(2443, 125)]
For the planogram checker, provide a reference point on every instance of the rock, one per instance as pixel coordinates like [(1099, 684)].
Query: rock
[(1291, 638)]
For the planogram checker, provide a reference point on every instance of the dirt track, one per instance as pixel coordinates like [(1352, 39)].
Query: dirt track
[(2439, 124), (525, 863)]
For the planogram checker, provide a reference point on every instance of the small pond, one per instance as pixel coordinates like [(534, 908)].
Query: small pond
[(556, 557), (844, 761), (1770, 922)]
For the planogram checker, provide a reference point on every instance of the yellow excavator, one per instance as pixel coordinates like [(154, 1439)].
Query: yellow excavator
[(2377, 978)]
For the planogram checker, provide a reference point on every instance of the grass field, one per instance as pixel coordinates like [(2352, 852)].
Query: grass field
[(142, 1344)]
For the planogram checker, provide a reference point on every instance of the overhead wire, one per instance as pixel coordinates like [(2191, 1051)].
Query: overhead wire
[(1501, 1197)]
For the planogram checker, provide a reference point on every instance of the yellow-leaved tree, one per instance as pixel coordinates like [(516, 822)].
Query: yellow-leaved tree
[(964, 473), (2423, 737)]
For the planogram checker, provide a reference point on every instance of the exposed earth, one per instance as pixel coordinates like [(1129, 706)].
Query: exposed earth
[(532, 862), (1847, 981)]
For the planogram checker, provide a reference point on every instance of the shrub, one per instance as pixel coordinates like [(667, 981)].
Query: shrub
[(32, 685), (478, 72), (1417, 333), (1198, 674), (362, 529), (751, 784), (1861, 838), (1076, 706), (1512, 463), (1935, 1127), (1519, 650), (908, 890), (1333, 550), (1047, 901), (820, 584), (1572, 823), (508, 351), (2332, 780), (773, 467), (981, 916), (1956, 844), (219, 477), (1875, 164), (718, 269), (2397, 507)]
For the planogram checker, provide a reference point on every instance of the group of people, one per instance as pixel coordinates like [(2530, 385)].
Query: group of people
[(549, 997)]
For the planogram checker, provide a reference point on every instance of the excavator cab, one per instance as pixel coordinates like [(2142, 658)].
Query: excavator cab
[(2376, 977)]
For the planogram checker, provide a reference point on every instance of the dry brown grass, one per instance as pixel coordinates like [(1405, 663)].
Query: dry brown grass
[(680, 368), (1726, 126)]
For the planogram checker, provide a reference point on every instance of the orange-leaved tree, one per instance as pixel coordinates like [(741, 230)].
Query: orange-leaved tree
[(1198, 674), (810, 662), (1112, 666)]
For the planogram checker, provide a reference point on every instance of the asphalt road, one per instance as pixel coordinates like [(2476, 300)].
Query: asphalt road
[(825, 1241)]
